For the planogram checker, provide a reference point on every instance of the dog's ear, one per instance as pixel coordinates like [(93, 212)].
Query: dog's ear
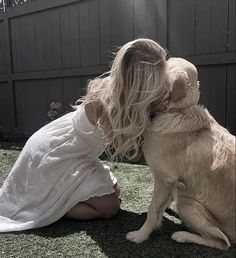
[(179, 88)]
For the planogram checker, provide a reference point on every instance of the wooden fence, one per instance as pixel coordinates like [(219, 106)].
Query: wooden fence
[(49, 49)]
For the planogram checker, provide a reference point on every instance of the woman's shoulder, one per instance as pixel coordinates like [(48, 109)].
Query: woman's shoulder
[(92, 110)]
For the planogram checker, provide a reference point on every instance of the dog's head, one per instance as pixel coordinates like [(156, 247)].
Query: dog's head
[(183, 78)]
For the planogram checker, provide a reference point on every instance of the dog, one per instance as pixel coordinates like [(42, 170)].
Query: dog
[(192, 159)]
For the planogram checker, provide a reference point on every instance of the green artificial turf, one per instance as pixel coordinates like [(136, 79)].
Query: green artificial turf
[(104, 238)]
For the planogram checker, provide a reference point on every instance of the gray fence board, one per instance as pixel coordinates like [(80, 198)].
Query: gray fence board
[(94, 31), (218, 92), (162, 22), (204, 78), (23, 39), (3, 57), (7, 107), (49, 50), (231, 98), (174, 27), (121, 22), (52, 39), (89, 33), (203, 27), (15, 38), (219, 25), (48, 41), (181, 27), (232, 22), (73, 89), (151, 20), (140, 18), (188, 27), (31, 108), (105, 31), (39, 42), (70, 39)]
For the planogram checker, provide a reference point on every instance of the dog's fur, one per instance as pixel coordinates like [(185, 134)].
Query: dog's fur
[(192, 159)]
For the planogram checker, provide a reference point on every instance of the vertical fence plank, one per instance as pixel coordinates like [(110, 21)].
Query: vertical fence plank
[(73, 90), (54, 40), (174, 27), (218, 92), (204, 78), (121, 22), (232, 22), (219, 26), (162, 22), (231, 97), (89, 33), (30, 104), (40, 45), (3, 57), (94, 32), (27, 43), (145, 19), (6, 109), (48, 40), (15, 45), (84, 32), (24, 40), (9, 94), (139, 18), (181, 27), (70, 41), (203, 27), (187, 32), (152, 21), (105, 31)]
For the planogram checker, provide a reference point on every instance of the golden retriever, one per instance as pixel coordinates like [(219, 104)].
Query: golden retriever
[(192, 159)]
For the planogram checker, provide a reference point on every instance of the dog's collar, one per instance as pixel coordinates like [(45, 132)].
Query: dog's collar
[(173, 110)]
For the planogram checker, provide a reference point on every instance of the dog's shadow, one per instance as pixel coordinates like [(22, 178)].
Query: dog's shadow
[(110, 236)]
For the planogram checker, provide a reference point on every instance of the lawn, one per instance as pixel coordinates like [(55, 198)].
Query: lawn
[(103, 238)]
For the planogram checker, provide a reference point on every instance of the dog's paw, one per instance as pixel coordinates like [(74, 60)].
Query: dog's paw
[(179, 237), (136, 237)]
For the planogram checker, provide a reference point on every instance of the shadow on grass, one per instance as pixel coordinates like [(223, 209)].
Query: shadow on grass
[(109, 235), (12, 145)]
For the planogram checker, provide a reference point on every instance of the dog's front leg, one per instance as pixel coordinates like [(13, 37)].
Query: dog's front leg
[(161, 198)]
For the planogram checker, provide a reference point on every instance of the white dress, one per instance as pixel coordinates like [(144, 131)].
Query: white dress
[(57, 168)]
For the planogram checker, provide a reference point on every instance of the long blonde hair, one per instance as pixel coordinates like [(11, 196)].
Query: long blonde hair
[(137, 78)]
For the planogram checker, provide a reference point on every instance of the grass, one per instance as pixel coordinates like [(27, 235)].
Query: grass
[(103, 238)]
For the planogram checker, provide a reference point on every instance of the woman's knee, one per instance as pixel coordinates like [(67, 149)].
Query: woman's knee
[(107, 206), (110, 207)]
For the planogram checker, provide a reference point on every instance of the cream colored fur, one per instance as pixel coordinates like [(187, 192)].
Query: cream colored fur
[(192, 159)]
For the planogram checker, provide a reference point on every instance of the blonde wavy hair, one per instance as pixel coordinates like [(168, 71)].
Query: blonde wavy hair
[(136, 80)]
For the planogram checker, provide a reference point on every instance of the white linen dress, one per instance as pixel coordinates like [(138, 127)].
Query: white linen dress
[(58, 168)]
